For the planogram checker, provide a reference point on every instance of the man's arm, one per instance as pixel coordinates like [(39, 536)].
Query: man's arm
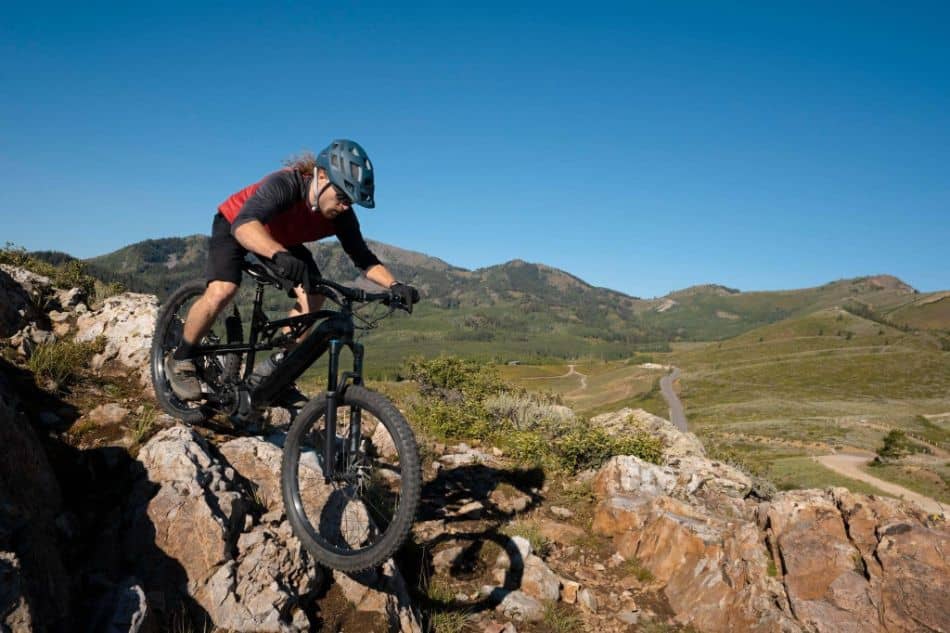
[(276, 193), (380, 274), (254, 237)]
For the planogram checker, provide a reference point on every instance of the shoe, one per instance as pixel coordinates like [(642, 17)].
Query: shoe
[(183, 378), (291, 398)]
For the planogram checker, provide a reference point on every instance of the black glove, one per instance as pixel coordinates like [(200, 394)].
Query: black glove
[(289, 267), (406, 294)]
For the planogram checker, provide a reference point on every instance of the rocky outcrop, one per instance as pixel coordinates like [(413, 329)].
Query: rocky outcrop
[(196, 530), (127, 322), (19, 307), (805, 561), (380, 592), (34, 586)]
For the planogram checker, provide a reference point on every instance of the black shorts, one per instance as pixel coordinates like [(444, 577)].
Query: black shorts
[(226, 255)]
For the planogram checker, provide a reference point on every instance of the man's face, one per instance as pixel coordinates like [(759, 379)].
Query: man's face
[(333, 201)]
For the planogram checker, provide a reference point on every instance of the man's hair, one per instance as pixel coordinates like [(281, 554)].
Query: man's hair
[(304, 162)]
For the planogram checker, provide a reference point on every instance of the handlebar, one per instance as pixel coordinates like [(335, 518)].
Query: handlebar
[(264, 271)]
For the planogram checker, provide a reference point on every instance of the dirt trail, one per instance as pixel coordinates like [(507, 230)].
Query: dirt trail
[(570, 372), (849, 465)]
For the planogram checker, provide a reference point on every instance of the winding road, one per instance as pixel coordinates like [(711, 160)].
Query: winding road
[(677, 416)]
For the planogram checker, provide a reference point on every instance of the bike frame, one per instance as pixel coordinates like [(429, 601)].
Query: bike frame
[(333, 334)]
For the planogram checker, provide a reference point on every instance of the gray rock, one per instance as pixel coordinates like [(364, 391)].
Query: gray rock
[(247, 577), (127, 322), (517, 605), (587, 599)]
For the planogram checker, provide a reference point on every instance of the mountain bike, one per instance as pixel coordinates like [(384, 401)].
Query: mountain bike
[(350, 474)]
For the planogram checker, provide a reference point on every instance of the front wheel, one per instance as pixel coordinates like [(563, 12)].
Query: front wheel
[(363, 515)]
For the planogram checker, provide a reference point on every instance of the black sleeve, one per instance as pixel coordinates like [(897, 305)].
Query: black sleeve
[(351, 238), (278, 192)]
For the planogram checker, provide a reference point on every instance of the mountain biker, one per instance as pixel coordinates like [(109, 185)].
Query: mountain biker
[(309, 199)]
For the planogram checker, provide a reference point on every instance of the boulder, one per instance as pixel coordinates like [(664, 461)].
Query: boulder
[(675, 442), (191, 529), (19, 306), (34, 585), (858, 562), (383, 591), (127, 321)]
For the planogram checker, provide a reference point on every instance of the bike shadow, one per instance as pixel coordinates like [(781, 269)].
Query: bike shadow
[(477, 534)]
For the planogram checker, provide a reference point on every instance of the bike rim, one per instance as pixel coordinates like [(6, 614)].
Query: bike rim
[(357, 510)]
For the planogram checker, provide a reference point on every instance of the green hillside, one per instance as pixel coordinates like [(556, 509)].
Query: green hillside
[(535, 313), (814, 384)]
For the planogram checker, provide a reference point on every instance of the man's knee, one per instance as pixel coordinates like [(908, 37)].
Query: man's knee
[(219, 293)]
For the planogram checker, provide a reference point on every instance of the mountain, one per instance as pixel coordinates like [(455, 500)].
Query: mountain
[(523, 310)]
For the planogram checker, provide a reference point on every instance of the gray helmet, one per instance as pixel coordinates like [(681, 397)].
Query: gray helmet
[(348, 167)]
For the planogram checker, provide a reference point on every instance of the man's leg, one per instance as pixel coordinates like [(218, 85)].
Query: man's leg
[(206, 309), (180, 367)]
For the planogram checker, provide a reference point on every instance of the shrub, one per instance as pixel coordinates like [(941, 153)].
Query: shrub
[(526, 411), (896, 444), (61, 361), (584, 448), (463, 400), (449, 376)]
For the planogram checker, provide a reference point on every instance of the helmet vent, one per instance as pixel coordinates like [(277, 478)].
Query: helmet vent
[(354, 171), (335, 160)]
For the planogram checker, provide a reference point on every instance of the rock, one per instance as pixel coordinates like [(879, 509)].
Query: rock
[(69, 299), (246, 577), (557, 532), (675, 442), (50, 420), (561, 513), (587, 600), (697, 473), (532, 576), (377, 592), (465, 455), (383, 442), (499, 627), (569, 589), (471, 510), (849, 558), (509, 500), (825, 587), (34, 584), (628, 617), (107, 414), (629, 474), (122, 610), (443, 560), (384, 592), (517, 550), (517, 605), (127, 322)]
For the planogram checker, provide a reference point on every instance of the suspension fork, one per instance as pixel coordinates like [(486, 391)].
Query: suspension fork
[(335, 388), (329, 444)]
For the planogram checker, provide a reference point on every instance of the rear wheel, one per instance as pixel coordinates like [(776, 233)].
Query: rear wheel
[(213, 371), (364, 514)]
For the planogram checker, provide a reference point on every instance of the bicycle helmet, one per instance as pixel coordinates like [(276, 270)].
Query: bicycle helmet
[(348, 167)]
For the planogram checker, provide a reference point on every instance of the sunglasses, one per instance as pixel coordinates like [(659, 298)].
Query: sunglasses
[(341, 196)]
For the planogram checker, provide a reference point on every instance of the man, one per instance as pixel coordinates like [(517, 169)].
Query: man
[(310, 199)]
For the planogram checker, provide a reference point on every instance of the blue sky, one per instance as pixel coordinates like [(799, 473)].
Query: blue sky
[(643, 147)]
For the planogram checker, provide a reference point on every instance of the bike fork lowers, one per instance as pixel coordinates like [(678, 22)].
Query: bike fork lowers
[(334, 392)]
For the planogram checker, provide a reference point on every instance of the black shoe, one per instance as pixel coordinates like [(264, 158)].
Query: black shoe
[(182, 376)]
